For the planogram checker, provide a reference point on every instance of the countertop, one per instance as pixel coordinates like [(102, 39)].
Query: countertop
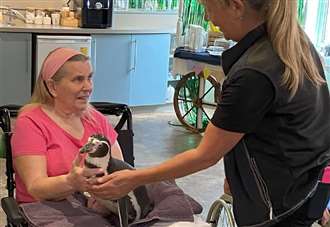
[(32, 28)]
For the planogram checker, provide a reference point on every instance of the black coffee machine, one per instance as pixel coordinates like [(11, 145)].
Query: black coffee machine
[(96, 13)]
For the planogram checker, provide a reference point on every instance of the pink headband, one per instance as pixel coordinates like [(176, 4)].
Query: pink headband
[(55, 60)]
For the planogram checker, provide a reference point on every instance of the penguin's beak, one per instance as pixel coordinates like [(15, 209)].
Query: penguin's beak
[(86, 149)]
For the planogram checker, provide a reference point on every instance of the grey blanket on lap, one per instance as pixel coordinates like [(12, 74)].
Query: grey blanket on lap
[(171, 204)]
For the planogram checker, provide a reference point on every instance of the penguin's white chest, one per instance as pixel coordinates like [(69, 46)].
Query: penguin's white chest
[(100, 162)]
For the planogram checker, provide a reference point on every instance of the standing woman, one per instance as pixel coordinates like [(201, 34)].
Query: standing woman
[(272, 125)]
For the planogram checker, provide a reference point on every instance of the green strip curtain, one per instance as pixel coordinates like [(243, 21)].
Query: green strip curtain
[(156, 4), (320, 20), (302, 12), (193, 13)]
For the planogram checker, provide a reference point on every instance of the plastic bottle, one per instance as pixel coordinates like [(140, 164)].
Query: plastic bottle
[(38, 19), (29, 15), (148, 5), (65, 11), (47, 20)]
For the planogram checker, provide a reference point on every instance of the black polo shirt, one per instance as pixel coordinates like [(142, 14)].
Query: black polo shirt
[(288, 138), (246, 100)]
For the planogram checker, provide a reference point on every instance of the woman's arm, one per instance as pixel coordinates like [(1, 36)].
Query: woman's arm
[(326, 217), (214, 145), (33, 171), (116, 151)]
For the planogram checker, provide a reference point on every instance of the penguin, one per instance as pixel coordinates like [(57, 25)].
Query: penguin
[(130, 208)]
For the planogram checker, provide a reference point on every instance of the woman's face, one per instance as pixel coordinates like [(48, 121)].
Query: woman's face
[(72, 91), (224, 16)]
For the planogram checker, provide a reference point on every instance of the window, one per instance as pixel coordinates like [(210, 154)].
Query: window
[(317, 21)]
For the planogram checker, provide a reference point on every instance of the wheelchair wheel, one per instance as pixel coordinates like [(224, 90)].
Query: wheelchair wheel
[(195, 100), (220, 214)]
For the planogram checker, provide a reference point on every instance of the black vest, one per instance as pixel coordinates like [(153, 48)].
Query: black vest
[(269, 184)]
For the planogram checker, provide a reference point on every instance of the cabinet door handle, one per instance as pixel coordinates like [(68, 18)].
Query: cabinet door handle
[(93, 55), (28, 56), (134, 42)]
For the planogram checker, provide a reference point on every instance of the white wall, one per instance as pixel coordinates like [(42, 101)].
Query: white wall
[(146, 20)]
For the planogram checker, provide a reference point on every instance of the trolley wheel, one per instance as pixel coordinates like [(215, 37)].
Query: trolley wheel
[(189, 100), (220, 214)]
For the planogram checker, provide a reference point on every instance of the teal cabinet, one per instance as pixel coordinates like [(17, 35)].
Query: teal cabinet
[(150, 69), (15, 68), (131, 69), (111, 64)]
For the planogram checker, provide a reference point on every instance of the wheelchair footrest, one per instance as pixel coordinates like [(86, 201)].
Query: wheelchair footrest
[(12, 211)]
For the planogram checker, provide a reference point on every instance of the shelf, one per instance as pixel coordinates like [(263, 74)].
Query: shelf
[(142, 11)]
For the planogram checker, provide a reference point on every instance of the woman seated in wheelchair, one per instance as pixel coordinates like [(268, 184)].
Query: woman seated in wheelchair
[(47, 145), (50, 130)]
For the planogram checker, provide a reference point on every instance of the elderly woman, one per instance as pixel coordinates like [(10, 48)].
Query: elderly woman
[(272, 124), (50, 130)]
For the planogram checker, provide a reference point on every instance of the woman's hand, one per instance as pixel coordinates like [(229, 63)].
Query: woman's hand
[(326, 217), (226, 188), (78, 176), (115, 185)]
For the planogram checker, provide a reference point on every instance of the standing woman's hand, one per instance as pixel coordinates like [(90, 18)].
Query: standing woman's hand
[(326, 217), (78, 176), (226, 188), (115, 185)]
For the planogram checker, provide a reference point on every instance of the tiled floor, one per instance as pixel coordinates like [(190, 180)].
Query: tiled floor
[(155, 141)]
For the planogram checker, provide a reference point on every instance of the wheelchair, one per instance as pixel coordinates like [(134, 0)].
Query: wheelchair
[(15, 218), (220, 213)]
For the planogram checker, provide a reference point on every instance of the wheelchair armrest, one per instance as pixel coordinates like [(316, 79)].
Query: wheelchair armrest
[(110, 108), (12, 210)]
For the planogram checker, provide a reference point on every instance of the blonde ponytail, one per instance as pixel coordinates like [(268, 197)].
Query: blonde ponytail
[(291, 44), (288, 40)]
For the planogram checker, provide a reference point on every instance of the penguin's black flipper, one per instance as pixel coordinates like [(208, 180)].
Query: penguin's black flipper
[(122, 211)]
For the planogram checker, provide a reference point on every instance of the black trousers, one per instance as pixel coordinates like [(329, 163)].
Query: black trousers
[(298, 219), (310, 211)]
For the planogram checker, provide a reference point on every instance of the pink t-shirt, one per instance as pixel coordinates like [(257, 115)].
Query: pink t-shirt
[(37, 134)]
